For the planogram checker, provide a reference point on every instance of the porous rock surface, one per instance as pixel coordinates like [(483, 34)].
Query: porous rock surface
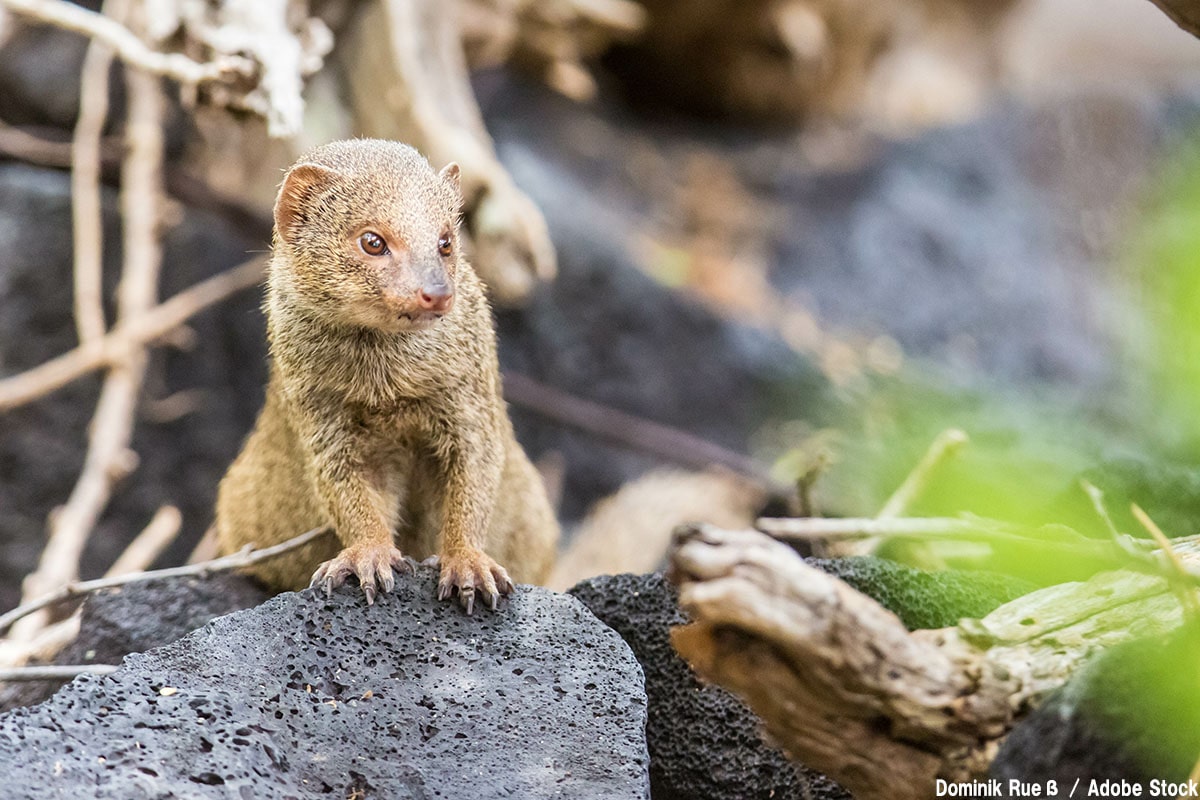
[(703, 741), (314, 697), (138, 617)]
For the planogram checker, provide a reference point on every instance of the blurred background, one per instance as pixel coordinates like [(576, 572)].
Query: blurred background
[(795, 239)]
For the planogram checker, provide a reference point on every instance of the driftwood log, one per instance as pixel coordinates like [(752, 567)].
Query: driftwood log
[(843, 687)]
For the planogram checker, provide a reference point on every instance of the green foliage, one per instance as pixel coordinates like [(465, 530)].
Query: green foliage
[(1165, 254)]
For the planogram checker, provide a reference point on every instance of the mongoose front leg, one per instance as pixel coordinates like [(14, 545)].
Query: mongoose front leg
[(474, 463), (359, 513)]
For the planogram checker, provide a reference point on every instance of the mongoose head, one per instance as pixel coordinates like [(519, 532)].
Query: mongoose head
[(369, 235)]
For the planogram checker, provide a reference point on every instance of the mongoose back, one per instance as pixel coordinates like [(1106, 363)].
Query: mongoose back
[(383, 417)]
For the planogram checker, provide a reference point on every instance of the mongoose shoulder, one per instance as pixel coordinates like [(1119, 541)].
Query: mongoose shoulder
[(383, 418)]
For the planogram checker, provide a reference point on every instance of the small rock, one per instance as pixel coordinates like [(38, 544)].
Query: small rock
[(314, 697), (139, 617), (703, 741)]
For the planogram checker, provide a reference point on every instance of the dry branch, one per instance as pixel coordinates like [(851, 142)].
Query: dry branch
[(126, 44), (662, 441), (415, 49), (284, 43), (243, 558), (844, 688), (87, 223), (148, 545), (108, 456), (947, 444), (154, 324), (138, 556)]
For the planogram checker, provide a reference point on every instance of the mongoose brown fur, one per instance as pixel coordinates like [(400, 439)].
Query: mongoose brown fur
[(383, 418)]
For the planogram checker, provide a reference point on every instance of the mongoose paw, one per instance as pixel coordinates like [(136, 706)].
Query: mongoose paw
[(371, 564), (473, 573)]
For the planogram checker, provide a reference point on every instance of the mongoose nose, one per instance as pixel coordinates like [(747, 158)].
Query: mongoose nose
[(437, 299)]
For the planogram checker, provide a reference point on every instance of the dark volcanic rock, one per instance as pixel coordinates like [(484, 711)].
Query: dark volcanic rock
[(992, 250), (309, 697), (703, 741), (140, 617), (1132, 714), (607, 332)]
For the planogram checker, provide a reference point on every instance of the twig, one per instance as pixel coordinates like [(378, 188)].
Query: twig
[(127, 45), (108, 457), (87, 226), (663, 441), (1122, 540), (947, 443), (150, 543), (138, 556), (1183, 584), (242, 558), (45, 645), (822, 528), (24, 144), (54, 672), (925, 529), (154, 324)]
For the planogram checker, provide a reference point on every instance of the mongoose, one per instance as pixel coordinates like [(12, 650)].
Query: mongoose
[(383, 417)]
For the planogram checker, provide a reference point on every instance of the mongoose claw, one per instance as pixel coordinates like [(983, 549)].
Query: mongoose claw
[(473, 575), (371, 564)]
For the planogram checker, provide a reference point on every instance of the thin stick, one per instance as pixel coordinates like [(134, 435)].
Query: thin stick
[(150, 543), (108, 457), (21, 144), (45, 645), (139, 555), (1122, 540), (126, 44), (663, 441), (1177, 573), (54, 672), (243, 558), (947, 443), (924, 529), (154, 324), (821, 528), (87, 226)]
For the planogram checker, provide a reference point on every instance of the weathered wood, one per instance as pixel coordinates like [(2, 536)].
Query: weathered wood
[(844, 688)]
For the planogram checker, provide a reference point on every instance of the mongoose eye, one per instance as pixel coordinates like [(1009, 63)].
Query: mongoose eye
[(372, 244), (445, 245)]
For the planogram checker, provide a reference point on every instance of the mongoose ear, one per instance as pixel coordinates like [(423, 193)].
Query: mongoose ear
[(451, 174), (298, 186)]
